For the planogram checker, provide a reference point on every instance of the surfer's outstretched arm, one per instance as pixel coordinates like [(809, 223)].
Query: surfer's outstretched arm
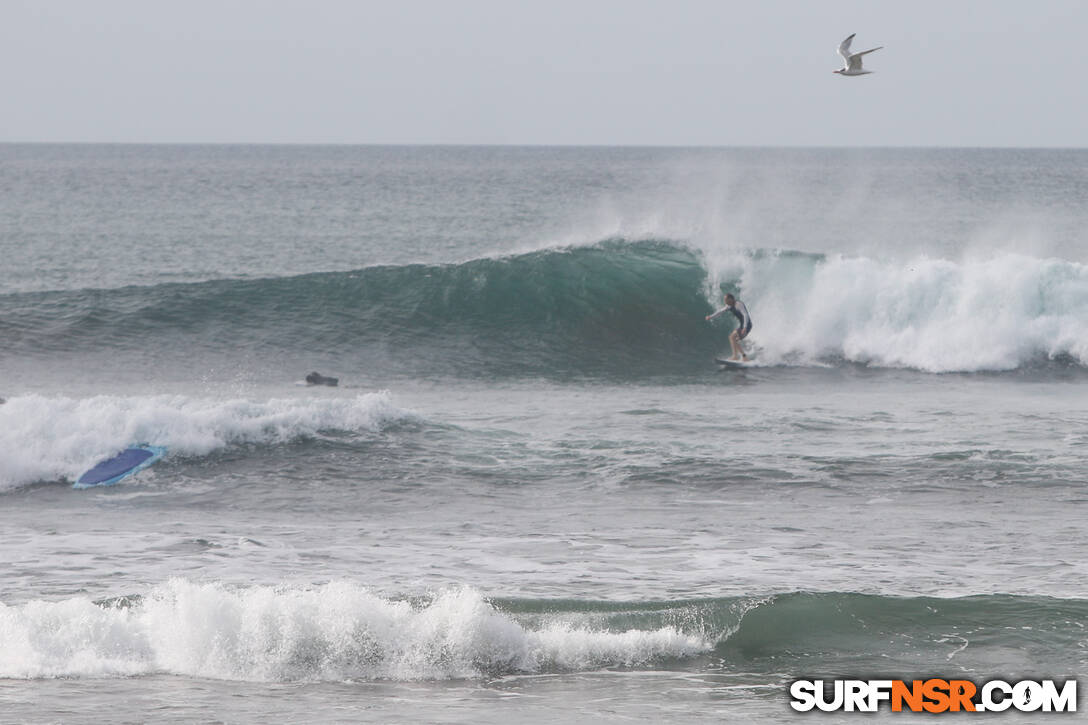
[(717, 314)]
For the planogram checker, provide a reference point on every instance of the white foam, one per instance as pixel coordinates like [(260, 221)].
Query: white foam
[(334, 632), (937, 315), (46, 438)]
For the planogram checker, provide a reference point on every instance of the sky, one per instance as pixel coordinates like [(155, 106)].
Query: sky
[(556, 72)]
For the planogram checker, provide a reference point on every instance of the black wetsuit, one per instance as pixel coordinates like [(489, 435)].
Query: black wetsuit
[(744, 320)]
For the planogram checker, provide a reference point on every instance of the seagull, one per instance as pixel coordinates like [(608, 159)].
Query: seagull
[(852, 60)]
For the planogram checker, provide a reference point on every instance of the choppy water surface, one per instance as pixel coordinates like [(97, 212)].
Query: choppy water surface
[(533, 493)]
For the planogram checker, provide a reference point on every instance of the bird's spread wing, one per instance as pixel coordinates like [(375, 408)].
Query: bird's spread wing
[(844, 47), (854, 61)]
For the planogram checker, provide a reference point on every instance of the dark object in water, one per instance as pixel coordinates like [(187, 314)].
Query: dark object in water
[(319, 379)]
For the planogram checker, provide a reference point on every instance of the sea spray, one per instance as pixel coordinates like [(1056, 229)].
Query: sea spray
[(935, 315)]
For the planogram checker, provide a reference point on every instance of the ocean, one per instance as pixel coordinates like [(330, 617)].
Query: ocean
[(533, 496)]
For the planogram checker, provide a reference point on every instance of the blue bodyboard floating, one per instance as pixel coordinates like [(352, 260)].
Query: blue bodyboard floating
[(124, 464)]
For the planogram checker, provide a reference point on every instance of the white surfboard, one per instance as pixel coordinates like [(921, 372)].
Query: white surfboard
[(735, 363)]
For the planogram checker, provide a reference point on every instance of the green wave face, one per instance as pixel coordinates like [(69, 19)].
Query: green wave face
[(610, 307), (836, 634)]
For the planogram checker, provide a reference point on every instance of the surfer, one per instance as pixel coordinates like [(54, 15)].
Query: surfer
[(316, 378), (744, 324)]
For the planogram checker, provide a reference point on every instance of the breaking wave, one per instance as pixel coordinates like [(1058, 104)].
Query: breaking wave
[(343, 631), (617, 307), (46, 438)]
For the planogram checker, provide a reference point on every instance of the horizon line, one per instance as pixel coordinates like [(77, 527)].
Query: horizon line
[(435, 144)]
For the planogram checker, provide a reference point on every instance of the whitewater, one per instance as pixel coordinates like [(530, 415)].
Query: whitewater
[(533, 496)]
